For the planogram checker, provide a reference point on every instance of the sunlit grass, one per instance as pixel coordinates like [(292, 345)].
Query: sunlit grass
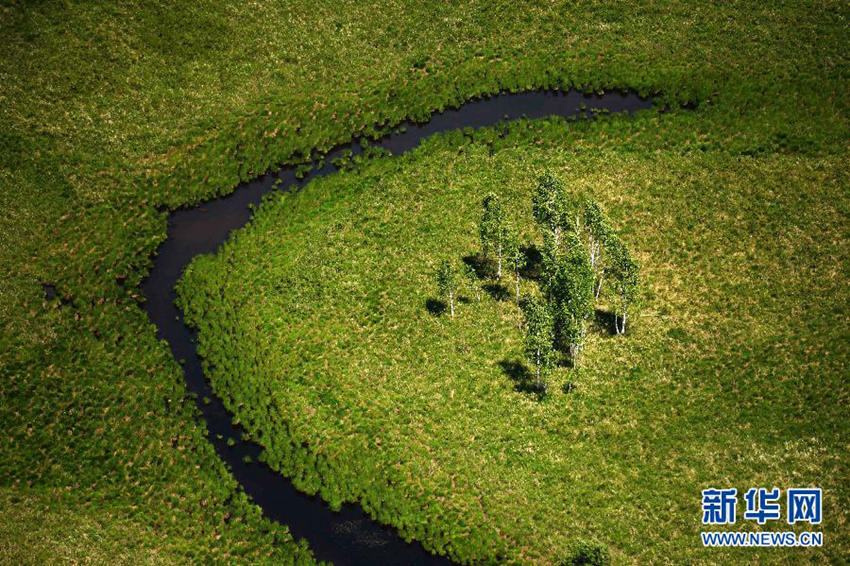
[(110, 112), (315, 324)]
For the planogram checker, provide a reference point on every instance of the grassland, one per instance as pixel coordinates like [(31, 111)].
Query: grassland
[(314, 322), (112, 113)]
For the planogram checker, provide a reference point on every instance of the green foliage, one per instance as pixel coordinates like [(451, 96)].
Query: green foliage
[(539, 337), (595, 221), (571, 292), (624, 272), (552, 257), (586, 553), (575, 230), (550, 204), (598, 230), (491, 229), (514, 254)]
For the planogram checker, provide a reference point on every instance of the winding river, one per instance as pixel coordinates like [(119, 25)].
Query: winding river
[(348, 536)]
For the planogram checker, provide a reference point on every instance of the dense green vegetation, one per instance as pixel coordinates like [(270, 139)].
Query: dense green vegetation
[(111, 111), (314, 322), (580, 250)]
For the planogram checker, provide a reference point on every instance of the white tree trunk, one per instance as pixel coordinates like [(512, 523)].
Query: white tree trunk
[(625, 307), (499, 269), (592, 249), (452, 303)]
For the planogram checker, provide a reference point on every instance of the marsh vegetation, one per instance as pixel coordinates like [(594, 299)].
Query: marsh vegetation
[(312, 321), (116, 114)]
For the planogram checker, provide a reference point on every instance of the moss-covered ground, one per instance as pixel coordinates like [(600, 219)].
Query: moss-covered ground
[(113, 113)]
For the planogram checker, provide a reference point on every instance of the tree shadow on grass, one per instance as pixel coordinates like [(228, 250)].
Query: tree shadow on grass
[(497, 291), (532, 264), (485, 267), (524, 381), (603, 322), (436, 307)]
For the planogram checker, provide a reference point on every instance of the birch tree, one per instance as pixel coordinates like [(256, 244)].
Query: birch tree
[(492, 230), (514, 255), (539, 338), (552, 256), (572, 213), (447, 283), (548, 204), (572, 297), (598, 230), (624, 273)]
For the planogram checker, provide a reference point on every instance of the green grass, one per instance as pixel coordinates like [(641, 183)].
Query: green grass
[(38, 529), (109, 112), (314, 322)]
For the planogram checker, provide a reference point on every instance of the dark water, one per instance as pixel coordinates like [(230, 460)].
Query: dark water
[(349, 536)]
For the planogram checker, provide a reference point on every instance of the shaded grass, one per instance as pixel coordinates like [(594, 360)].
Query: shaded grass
[(733, 374)]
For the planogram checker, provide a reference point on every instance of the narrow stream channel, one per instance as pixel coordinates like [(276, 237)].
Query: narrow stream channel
[(349, 536)]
